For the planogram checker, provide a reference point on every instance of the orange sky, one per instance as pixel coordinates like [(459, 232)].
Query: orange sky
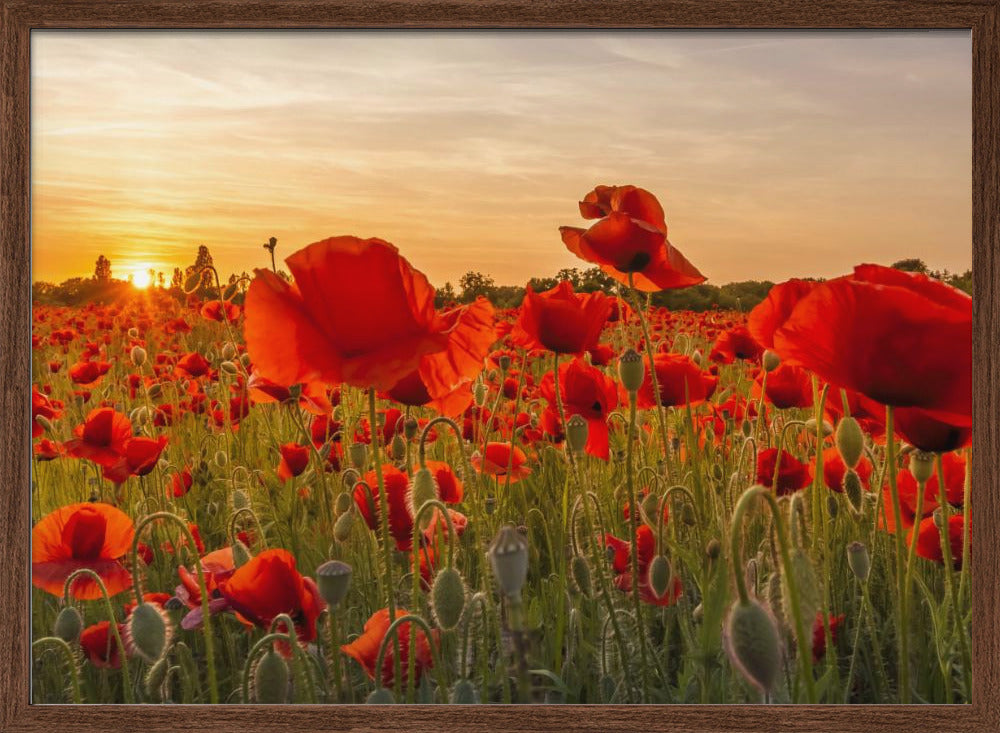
[(775, 154)]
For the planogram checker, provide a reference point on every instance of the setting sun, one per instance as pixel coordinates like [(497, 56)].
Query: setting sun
[(142, 279)]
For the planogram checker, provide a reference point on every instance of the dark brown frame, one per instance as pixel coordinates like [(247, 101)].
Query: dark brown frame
[(19, 17)]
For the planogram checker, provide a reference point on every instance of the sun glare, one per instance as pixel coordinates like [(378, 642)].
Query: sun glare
[(141, 279)]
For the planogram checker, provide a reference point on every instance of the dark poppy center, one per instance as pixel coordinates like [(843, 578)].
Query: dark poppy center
[(638, 262), (596, 407)]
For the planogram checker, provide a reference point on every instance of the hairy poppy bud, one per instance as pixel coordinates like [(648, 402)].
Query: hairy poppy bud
[(333, 578), (850, 441), (245, 360), (228, 351), (859, 561), (688, 516), (397, 448), (147, 631), (479, 394), (381, 696), (938, 518), (69, 624), (359, 455), (155, 391), (659, 576), (580, 570), (221, 459), (921, 466), (697, 357), (423, 488), (464, 693), (239, 499), (155, 677), (138, 356), (448, 598), (713, 549), (241, 554), (771, 361), (343, 502), (342, 527), (631, 370), (853, 490), (270, 679), (508, 556), (350, 478), (753, 644), (576, 433), (192, 282), (229, 367), (648, 509), (746, 428)]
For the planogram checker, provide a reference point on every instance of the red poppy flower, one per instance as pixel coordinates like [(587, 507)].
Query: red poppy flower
[(269, 585), (220, 310), (953, 467), (365, 648), (99, 644), (819, 634), (586, 391), (88, 373), (645, 546), (560, 320), (929, 540), (41, 406), (736, 343), (294, 460), (102, 437), (793, 475), (498, 456), (680, 381), (771, 313), (630, 237), (192, 365), (138, 458), (924, 431), (787, 386), (48, 450), (180, 483), (76, 536), (359, 313), (449, 487), (834, 470), (397, 489), (313, 397), (217, 566), (869, 413), (899, 338)]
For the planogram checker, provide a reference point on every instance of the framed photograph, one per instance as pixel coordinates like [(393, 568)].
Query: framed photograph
[(500, 365)]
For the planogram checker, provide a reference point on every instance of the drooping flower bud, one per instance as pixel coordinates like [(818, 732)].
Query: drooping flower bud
[(648, 509), (148, 631), (922, 466), (350, 478), (753, 644), (221, 459), (381, 696), (342, 527), (410, 427), (333, 578), (229, 367), (270, 679), (859, 561), (359, 455), (508, 556), (241, 554), (697, 357), (423, 488), (69, 624), (631, 370), (228, 351), (155, 677), (138, 356), (853, 490), (448, 598), (771, 361), (825, 426), (464, 693), (240, 499), (576, 433), (344, 502), (659, 576), (580, 570), (230, 292), (850, 441), (397, 448), (713, 549)]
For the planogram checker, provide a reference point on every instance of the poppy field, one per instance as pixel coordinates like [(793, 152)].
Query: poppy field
[(315, 485)]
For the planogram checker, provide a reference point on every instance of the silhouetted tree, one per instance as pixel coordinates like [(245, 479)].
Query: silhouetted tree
[(474, 284), (102, 270)]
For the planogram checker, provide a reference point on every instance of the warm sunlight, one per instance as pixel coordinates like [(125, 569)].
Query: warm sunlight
[(142, 279)]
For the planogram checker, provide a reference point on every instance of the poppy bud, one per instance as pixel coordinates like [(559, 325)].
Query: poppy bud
[(69, 624), (698, 613), (229, 368), (713, 549), (155, 391), (859, 561), (504, 362), (464, 693), (270, 679), (133, 332), (746, 428), (342, 527), (192, 282), (423, 489), (688, 516), (239, 499), (580, 570), (221, 459), (659, 576), (479, 394), (381, 696), (576, 433), (44, 422), (350, 478), (230, 292), (245, 360), (697, 357), (718, 472), (448, 598), (938, 518), (138, 416), (148, 631), (921, 466), (359, 455), (508, 556), (648, 508), (228, 351), (344, 502), (138, 356), (752, 642), (771, 361), (631, 370), (397, 448), (410, 427), (850, 441), (333, 578), (241, 554), (853, 490), (155, 677)]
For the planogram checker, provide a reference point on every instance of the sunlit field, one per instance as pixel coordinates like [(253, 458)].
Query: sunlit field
[(328, 483)]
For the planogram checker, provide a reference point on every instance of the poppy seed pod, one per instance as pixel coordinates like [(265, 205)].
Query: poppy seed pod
[(771, 360), (753, 644), (241, 554), (850, 441), (423, 488), (69, 624), (576, 433), (922, 466), (344, 502), (342, 527), (270, 679), (333, 578), (859, 561), (359, 455), (148, 631), (631, 370), (448, 598), (508, 556), (853, 490), (381, 696), (580, 570), (464, 693), (138, 356), (659, 576)]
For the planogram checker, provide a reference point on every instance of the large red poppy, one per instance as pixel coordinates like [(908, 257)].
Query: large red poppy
[(397, 489), (101, 438), (364, 649), (630, 237), (586, 391), (138, 458), (560, 320), (787, 386), (496, 459), (42, 406), (736, 343), (899, 338), (94, 536), (359, 313), (681, 381), (771, 313), (793, 474), (294, 460), (99, 645)]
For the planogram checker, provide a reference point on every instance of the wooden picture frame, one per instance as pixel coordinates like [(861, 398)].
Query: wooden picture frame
[(17, 20)]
